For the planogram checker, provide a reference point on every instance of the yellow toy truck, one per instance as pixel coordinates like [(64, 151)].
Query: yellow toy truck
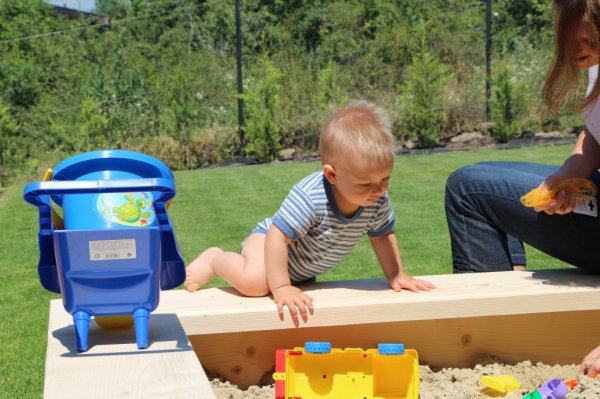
[(319, 371)]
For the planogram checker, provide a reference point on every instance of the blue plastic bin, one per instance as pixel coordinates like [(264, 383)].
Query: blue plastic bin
[(117, 249)]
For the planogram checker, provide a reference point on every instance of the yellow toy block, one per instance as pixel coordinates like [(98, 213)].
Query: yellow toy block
[(502, 383), (319, 371)]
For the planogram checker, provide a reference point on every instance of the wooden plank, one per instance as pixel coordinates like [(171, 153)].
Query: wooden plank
[(113, 367), (222, 310)]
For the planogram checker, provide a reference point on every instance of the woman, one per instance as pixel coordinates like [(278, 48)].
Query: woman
[(487, 222)]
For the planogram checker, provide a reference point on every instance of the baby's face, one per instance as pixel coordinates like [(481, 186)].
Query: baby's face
[(361, 185)]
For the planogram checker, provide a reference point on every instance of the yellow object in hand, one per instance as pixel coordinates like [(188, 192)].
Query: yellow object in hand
[(574, 186)]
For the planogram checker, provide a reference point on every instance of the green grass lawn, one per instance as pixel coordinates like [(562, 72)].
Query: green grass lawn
[(219, 207)]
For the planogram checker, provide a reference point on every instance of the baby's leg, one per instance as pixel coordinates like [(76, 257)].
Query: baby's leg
[(199, 271), (245, 271)]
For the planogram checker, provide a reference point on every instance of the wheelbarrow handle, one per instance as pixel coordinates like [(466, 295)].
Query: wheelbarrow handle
[(33, 191)]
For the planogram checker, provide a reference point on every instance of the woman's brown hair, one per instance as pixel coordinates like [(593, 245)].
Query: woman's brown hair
[(563, 75)]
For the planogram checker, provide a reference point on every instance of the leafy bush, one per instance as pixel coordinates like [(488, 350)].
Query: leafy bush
[(422, 95), (507, 106), (10, 150), (212, 145), (262, 101), (162, 147), (330, 91)]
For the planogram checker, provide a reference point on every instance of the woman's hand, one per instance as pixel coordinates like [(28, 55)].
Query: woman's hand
[(561, 204)]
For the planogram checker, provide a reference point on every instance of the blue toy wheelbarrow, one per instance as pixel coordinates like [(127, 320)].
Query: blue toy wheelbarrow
[(113, 249)]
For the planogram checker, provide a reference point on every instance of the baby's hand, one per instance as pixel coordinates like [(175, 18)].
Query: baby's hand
[(295, 300), (406, 281)]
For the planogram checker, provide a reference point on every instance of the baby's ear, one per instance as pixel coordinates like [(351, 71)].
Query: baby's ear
[(329, 173)]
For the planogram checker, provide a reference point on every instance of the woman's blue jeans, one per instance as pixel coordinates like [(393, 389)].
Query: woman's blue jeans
[(488, 224)]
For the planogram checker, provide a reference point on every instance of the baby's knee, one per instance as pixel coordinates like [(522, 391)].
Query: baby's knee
[(208, 254), (254, 288), (212, 250)]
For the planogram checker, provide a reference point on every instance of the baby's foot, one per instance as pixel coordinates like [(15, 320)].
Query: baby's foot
[(199, 271)]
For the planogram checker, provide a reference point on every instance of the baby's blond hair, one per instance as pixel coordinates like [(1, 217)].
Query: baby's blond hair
[(360, 129)]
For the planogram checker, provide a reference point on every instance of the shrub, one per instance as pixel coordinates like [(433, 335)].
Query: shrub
[(212, 145), (421, 96), (507, 106), (262, 131), (330, 91), (10, 149), (162, 147)]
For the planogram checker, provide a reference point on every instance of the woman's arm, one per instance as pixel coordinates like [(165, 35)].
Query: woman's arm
[(584, 159)]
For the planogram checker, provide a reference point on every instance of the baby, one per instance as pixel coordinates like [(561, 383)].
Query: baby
[(321, 219)]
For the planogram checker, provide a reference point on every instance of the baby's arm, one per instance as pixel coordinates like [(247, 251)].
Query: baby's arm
[(278, 278), (388, 254)]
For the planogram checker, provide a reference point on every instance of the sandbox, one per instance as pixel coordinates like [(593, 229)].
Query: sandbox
[(548, 316)]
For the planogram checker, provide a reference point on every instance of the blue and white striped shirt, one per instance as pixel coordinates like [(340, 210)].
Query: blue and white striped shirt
[(320, 235)]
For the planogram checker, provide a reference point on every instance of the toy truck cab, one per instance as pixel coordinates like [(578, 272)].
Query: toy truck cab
[(319, 371)]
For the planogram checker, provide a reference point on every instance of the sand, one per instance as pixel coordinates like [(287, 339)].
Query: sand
[(459, 383)]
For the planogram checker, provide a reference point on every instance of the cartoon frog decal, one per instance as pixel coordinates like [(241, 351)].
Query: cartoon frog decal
[(131, 211)]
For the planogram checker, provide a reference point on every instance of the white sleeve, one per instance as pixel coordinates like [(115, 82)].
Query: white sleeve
[(592, 112), (592, 76)]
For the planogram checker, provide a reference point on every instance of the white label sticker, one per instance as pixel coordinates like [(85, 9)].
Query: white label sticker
[(586, 205), (112, 249)]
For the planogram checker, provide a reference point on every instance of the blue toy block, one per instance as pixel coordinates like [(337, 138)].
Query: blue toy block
[(115, 248)]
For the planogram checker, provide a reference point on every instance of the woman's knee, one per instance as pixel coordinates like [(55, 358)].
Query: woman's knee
[(481, 178), (465, 174), (459, 180)]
